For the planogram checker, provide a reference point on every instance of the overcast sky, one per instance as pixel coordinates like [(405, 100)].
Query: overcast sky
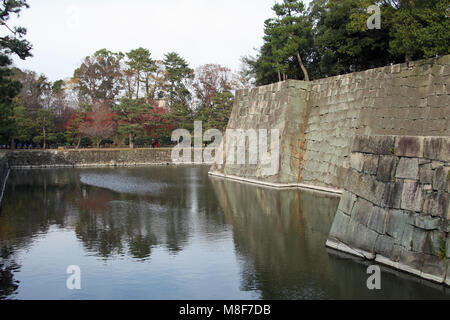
[(63, 32)]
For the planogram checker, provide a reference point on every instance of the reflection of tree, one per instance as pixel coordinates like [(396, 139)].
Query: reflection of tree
[(140, 246), (109, 223), (281, 235), (113, 223), (106, 222), (33, 202), (8, 286)]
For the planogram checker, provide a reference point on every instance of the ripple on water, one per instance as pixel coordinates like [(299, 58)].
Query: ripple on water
[(122, 184)]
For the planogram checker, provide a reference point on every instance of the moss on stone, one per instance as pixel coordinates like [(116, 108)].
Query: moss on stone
[(442, 253)]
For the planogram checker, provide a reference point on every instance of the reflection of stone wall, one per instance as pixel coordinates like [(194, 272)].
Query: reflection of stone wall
[(86, 157), (281, 235), (4, 171), (395, 207), (319, 119)]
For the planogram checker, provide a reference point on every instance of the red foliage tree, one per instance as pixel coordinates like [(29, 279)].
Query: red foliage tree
[(98, 124), (73, 127), (158, 123)]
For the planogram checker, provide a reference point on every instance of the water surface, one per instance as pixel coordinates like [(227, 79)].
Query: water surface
[(175, 233)]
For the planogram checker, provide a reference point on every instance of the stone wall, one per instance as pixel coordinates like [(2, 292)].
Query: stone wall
[(395, 205), (86, 157), (277, 106), (403, 99), (4, 172), (319, 119)]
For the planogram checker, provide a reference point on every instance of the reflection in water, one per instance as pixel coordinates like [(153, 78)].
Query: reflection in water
[(280, 235), (102, 207), (8, 265), (175, 233)]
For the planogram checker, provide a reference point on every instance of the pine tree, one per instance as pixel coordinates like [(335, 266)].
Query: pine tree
[(11, 44)]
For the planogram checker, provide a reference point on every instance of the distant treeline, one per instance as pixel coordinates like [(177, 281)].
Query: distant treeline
[(117, 99)]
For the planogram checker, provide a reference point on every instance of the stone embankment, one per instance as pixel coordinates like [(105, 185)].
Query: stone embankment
[(318, 120), (4, 173), (395, 205), (88, 158)]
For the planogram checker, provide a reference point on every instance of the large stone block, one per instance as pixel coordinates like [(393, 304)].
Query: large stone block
[(356, 161), (437, 148), (411, 262), (383, 145), (427, 222), (436, 238), (347, 202), (361, 237), (426, 174), (408, 168), (437, 204), (377, 220), (406, 240), (409, 146), (396, 223), (397, 251), (386, 168), (339, 227), (412, 196), (384, 246), (434, 269), (370, 165), (441, 179), (362, 211), (392, 197), (420, 241), (365, 186)]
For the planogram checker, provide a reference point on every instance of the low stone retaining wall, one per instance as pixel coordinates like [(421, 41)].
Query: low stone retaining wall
[(395, 204), (87, 158), (4, 173)]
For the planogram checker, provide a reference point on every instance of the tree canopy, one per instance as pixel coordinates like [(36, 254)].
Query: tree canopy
[(332, 37), (13, 43)]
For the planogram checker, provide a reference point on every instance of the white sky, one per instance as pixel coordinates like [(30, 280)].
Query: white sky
[(63, 32)]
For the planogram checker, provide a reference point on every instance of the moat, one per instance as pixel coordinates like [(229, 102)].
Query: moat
[(175, 233)]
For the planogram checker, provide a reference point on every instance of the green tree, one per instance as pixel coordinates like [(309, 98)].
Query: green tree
[(99, 79), (334, 38), (13, 43), (45, 126), (288, 50), (23, 125), (289, 34), (178, 74), (343, 40), (420, 29), (141, 66), (217, 116), (132, 115)]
